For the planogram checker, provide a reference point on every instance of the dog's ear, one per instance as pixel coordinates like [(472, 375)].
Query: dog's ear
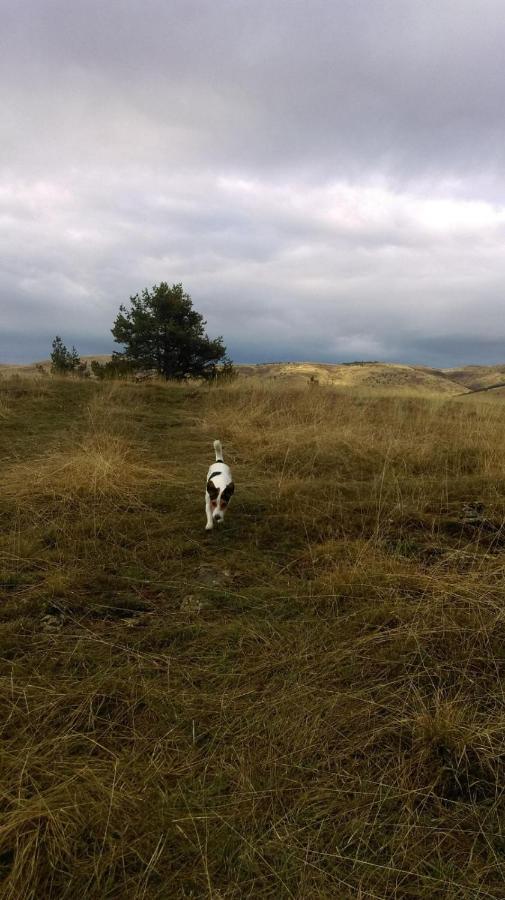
[(212, 490), (228, 491)]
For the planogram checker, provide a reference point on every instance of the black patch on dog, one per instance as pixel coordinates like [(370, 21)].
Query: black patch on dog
[(228, 491), (212, 490)]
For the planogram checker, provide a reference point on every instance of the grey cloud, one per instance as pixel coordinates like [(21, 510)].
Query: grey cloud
[(326, 178), (334, 86)]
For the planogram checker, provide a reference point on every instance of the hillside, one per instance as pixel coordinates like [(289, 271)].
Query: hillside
[(306, 703), (422, 380), (477, 377), (360, 375), (7, 369)]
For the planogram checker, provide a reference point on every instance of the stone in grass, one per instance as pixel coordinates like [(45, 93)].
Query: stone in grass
[(473, 513), (213, 576), (139, 620), (135, 618), (191, 605), (50, 623)]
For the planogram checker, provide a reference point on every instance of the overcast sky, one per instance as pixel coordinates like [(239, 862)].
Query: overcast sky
[(325, 177)]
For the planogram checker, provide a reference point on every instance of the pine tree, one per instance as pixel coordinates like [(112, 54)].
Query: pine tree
[(63, 360), (162, 331)]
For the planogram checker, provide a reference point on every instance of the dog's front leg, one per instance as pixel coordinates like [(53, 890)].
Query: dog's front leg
[(208, 509)]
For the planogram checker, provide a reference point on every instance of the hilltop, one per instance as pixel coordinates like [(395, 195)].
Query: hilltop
[(423, 380), (360, 375), (367, 375), (7, 369)]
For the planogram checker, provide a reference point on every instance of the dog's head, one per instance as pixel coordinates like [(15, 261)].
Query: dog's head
[(219, 499)]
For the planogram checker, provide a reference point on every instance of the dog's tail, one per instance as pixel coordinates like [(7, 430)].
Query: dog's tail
[(219, 451)]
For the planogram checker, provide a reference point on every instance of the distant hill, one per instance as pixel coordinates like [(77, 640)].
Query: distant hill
[(32, 368), (420, 379), (365, 375), (477, 377)]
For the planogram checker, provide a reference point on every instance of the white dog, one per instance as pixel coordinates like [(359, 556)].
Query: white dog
[(220, 488)]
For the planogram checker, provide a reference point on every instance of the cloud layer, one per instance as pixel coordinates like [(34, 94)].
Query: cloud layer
[(325, 178)]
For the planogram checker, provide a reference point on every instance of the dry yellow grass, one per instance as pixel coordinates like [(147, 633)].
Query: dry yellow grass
[(320, 427), (102, 465), (4, 408), (307, 703)]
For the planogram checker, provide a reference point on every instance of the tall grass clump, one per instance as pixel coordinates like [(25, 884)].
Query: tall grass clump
[(99, 466)]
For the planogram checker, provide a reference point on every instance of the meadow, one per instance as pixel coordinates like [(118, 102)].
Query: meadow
[(305, 703)]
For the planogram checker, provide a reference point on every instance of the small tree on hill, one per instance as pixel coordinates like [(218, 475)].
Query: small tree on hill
[(162, 331), (63, 360), (117, 367), (226, 373)]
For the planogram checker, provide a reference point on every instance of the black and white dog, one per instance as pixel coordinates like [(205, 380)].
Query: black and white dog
[(220, 488)]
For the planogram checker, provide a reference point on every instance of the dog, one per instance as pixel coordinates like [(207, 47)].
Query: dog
[(220, 489)]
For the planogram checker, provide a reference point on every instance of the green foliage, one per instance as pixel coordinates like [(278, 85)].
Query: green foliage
[(117, 367), (64, 361), (162, 331), (97, 369), (226, 373), (82, 370)]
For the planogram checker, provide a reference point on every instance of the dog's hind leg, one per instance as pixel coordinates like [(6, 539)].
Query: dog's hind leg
[(208, 509)]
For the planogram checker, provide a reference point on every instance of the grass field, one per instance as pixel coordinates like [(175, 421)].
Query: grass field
[(306, 703)]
